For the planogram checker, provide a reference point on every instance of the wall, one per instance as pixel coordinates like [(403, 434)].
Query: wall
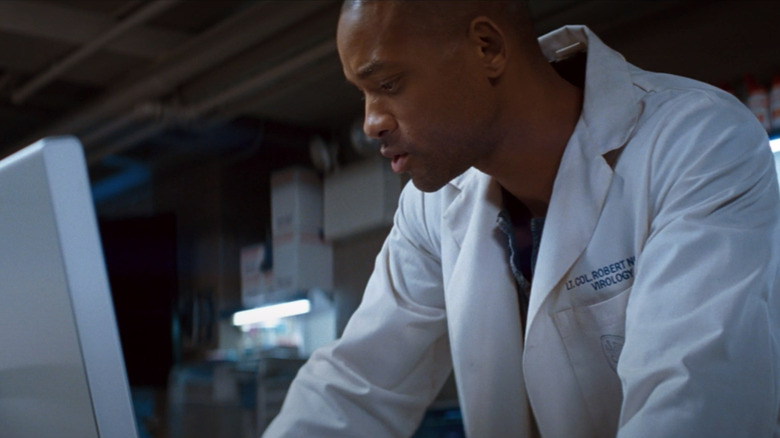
[(713, 41), (221, 204)]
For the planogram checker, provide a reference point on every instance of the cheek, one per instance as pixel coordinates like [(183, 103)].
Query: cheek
[(439, 116), (461, 107), (440, 113)]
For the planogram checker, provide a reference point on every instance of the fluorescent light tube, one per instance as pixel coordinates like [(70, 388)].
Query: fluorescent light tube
[(774, 144), (272, 312)]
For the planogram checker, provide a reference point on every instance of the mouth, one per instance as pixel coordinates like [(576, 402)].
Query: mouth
[(399, 162)]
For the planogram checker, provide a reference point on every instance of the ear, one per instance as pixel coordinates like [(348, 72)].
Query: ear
[(491, 45)]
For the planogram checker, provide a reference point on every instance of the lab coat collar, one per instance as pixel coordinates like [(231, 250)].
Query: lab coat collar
[(610, 108)]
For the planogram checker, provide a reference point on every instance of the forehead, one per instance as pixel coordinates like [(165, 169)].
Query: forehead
[(376, 16), (370, 37)]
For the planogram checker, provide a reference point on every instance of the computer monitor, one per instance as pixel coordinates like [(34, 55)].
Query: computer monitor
[(61, 368)]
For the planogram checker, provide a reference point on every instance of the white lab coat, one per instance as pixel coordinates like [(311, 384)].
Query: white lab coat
[(654, 304)]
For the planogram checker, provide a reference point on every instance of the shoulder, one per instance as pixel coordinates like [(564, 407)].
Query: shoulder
[(684, 118), (685, 102), (695, 143)]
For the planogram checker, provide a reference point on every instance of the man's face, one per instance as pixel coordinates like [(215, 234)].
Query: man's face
[(425, 97)]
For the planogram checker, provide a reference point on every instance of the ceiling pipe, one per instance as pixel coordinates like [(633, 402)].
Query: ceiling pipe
[(44, 78), (139, 113), (126, 142), (265, 79), (127, 8), (199, 54), (201, 109)]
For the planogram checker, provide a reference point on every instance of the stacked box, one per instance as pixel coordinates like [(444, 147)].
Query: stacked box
[(302, 260), (359, 198), (296, 202), (256, 274)]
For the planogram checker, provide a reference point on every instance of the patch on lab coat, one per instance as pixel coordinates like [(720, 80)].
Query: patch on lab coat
[(610, 274), (612, 345)]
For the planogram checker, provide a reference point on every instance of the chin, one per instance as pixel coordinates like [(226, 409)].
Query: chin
[(430, 182), (428, 186)]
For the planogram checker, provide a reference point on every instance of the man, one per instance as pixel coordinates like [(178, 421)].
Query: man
[(589, 246)]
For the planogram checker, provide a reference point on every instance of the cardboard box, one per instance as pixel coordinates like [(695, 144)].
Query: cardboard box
[(256, 274), (302, 262), (360, 198), (296, 202)]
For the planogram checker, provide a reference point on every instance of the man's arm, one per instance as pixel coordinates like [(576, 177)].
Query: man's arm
[(394, 355), (700, 357)]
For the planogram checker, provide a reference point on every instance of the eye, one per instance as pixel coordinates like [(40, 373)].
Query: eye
[(391, 85), (388, 86)]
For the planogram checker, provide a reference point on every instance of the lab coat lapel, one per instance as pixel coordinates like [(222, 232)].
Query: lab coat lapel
[(609, 115), (571, 220), (483, 317), (457, 216)]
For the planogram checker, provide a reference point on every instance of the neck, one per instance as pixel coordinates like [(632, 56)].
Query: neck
[(537, 130)]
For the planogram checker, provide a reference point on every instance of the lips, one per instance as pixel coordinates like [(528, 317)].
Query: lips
[(398, 159), (398, 163)]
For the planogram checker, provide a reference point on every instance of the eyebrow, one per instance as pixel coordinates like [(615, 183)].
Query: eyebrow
[(370, 68)]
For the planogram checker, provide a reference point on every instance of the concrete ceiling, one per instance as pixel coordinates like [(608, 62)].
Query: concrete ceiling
[(163, 79)]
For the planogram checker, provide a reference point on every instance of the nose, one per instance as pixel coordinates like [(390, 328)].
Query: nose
[(378, 122)]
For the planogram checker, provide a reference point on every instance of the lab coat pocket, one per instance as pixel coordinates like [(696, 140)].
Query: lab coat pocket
[(593, 337)]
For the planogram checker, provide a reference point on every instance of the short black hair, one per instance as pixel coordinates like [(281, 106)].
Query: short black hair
[(438, 17)]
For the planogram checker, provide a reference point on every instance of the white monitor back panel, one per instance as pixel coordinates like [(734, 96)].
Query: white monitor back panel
[(61, 367)]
